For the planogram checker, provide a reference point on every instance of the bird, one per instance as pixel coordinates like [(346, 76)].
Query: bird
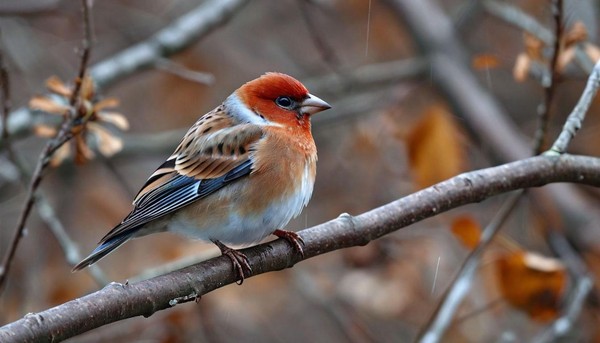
[(240, 174)]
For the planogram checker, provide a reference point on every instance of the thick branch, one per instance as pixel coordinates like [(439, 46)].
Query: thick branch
[(116, 302)]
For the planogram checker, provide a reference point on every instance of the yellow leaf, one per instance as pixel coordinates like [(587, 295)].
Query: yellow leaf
[(532, 283), (434, 147)]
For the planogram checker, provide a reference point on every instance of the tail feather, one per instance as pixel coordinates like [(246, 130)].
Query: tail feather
[(102, 250)]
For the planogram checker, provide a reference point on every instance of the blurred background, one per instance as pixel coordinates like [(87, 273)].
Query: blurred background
[(400, 123)]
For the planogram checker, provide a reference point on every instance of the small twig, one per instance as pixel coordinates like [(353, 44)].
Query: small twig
[(64, 135), (5, 98), (549, 89), (177, 69), (327, 53), (68, 246), (441, 319), (518, 18), (575, 119), (45, 210)]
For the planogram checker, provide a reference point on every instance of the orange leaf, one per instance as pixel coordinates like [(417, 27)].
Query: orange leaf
[(485, 61), (532, 283), (467, 230), (434, 147)]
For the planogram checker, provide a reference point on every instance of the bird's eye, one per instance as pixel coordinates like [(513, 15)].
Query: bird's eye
[(285, 102)]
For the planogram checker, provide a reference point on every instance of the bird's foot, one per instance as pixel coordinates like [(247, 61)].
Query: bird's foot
[(238, 260), (295, 240)]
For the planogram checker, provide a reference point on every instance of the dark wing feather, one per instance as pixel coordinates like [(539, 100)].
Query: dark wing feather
[(174, 194)]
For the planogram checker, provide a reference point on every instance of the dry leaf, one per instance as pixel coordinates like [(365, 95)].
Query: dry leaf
[(55, 85), (45, 104), (577, 33), (485, 61), (45, 131), (532, 283), (467, 230), (521, 69), (534, 47), (592, 51), (434, 146)]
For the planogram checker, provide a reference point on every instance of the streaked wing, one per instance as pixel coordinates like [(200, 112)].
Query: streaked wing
[(176, 193), (212, 154), (211, 148)]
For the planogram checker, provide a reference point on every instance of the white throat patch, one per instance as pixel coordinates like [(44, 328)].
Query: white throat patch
[(241, 112)]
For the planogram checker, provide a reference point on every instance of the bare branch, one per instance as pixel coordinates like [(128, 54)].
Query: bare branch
[(544, 108), (520, 19), (63, 136), (441, 319), (172, 39), (184, 31), (575, 119), (116, 302)]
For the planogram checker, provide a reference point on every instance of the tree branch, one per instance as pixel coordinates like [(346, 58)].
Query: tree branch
[(116, 302), (172, 39), (64, 135), (575, 119)]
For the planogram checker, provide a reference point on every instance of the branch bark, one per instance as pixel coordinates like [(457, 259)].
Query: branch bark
[(116, 302)]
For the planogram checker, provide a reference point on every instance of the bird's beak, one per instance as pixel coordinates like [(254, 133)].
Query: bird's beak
[(312, 105)]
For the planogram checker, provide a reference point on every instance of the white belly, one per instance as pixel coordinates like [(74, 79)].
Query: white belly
[(240, 229)]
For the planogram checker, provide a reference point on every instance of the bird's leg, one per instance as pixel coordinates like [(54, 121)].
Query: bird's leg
[(296, 241), (238, 260)]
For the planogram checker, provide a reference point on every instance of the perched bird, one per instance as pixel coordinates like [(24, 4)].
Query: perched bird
[(240, 173)]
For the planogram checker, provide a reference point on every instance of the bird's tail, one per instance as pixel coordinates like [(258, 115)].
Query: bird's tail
[(102, 250)]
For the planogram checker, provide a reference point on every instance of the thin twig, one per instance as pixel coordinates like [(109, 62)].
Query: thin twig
[(549, 89), (516, 17), (177, 69), (45, 210), (520, 19), (64, 135), (116, 302), (442, 317), (327, 53), (5, 98), (575, 119)]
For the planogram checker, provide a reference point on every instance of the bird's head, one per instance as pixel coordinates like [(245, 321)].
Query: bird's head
[(281, 99)]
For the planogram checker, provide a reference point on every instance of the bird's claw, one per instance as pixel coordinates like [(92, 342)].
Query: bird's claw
[(239, 261), (295, 240)]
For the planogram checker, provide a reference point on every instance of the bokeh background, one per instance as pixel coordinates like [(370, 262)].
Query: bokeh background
[(390, 133)]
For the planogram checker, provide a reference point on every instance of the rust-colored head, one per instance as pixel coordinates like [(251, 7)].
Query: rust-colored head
[(281, 99)]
